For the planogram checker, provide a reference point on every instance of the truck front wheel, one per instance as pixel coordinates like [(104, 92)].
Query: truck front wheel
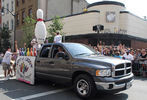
[(84, 86)]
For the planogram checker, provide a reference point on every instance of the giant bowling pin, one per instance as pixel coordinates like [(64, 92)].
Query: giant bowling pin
[(40, 29)]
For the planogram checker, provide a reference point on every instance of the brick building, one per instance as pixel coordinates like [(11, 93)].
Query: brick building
[(23, 8)]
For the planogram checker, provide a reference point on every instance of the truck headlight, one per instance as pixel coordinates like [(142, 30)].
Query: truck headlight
[(105, 72)]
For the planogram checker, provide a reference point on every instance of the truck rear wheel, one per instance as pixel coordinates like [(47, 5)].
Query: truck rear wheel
[(84, 86)]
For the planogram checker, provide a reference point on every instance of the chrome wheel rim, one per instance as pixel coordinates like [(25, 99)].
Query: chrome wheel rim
[(82, 87)]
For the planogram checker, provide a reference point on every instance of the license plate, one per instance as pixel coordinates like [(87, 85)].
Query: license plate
[(128, 85)]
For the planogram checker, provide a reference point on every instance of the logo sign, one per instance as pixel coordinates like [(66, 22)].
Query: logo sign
[(25, 69)]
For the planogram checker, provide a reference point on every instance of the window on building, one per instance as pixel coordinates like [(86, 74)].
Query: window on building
[(7, 8), (12, 24), (17, 2), (30, 12), (12, 6), (23, 1), (23, 16), (17, 19)]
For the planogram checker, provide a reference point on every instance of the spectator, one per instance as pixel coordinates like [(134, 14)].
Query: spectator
[(143, 55), (128, 56), (6, 63), (89, 45), (14, 57), (58, 38), (137, 54), (117, 54), (100, 48)]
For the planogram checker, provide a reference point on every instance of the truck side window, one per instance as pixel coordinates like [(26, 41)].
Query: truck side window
[(56, 50), (45, 52)]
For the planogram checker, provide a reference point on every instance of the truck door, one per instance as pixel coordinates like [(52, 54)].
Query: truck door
[(61, 68), (43, 61)]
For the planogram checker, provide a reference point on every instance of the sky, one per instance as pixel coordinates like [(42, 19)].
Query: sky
[(137, 7)]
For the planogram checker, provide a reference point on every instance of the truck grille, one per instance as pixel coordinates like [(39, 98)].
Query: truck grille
[(122, 70)]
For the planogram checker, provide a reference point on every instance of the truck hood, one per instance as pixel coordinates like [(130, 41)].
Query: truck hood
[(103, 59)]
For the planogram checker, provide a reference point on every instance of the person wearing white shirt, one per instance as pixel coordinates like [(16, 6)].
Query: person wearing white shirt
[(58, 38), (6, 61), (128, 56)]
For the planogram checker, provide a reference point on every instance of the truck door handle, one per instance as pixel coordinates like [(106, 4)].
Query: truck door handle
[(38, 61), (51, 62)]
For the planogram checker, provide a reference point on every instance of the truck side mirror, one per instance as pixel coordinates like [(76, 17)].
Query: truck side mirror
[(63, 56), (66, 57)]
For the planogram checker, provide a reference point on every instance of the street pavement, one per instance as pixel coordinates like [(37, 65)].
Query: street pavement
[(45, 90)]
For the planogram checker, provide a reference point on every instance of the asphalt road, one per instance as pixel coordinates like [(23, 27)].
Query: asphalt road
[(44, 90)]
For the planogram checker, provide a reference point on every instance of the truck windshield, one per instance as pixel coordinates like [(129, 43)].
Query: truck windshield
[(79, 49)]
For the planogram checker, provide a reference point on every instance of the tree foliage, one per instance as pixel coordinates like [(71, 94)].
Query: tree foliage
[(28, 29), (55, 26), (5, 38)]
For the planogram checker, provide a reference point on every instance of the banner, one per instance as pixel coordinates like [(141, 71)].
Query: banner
[(25, 69)]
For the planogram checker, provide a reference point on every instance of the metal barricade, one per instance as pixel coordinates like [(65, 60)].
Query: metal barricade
[(139, 68)]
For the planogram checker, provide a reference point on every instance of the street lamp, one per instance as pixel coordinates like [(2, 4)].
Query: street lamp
[(2, 13)]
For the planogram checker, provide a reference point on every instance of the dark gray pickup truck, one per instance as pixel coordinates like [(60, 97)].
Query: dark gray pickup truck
[(81, 66)]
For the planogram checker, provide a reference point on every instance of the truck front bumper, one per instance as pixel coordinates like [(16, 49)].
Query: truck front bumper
[(110, 83)]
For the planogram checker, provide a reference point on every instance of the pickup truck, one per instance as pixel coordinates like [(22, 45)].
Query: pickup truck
[(81, 66)]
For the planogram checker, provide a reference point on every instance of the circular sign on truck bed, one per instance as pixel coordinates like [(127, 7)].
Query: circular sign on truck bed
[(25, 69)]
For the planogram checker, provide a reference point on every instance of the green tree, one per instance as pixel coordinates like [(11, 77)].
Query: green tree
[(5, 38), (55, 26), (28, 29)]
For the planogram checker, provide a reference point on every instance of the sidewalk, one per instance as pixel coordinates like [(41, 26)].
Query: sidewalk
[(1, 71), (2, 74)]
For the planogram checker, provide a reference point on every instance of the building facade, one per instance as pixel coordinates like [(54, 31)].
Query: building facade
[(120, 26), (0, 14), (24, 8), (0, 20), (60, 8), (50, 8), (8, 18)]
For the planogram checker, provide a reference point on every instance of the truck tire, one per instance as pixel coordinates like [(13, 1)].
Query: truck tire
[(84, 86)]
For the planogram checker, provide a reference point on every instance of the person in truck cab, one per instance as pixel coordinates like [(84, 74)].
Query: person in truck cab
[(60, 53)]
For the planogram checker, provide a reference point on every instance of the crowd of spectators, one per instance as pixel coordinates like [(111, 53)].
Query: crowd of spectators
[(137, 56), (121, 51)]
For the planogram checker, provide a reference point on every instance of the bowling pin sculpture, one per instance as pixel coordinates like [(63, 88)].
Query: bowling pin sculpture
[(19, 51), (35, 52), (22, 52), (31, 53), (40, 29), (25, 54), (28, 52)]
